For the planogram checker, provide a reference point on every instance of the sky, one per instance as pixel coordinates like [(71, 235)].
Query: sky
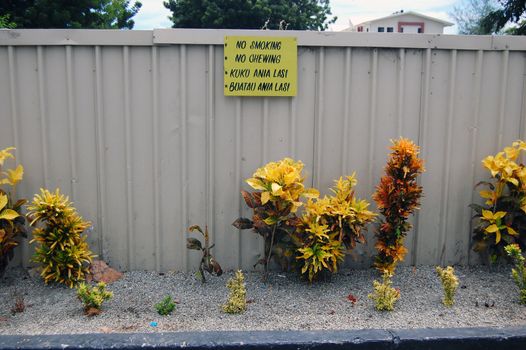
[(153, 14)]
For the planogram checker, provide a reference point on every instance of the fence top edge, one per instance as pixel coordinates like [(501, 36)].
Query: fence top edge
[(95, 37)]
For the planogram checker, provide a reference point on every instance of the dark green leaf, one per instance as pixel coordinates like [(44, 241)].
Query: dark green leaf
[(243, 223), (193, 243)]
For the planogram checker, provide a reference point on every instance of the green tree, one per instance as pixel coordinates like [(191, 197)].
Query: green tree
[(101, 14), (511, 13), (251, 14), (6, 23), (469, 14)]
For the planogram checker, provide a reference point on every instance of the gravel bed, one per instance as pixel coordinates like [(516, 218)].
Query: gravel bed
[(486, 298)]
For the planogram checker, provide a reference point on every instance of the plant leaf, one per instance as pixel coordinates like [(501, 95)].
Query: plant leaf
[(216, 267), (492, 228), (511, 231), (3, 201), (499, 215), (193, 243), (243, 224), (249, 200), (194, 228), (8, 214), (265, 197)]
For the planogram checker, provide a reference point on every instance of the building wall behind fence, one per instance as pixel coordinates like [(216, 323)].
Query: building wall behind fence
[(134, 127)]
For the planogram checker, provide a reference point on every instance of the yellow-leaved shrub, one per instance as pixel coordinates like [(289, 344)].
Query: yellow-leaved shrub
[(519, 271), (329, 227), (63, 253), (384, 295), (501, 220), (237, 298), (449, 283), (278, 191)]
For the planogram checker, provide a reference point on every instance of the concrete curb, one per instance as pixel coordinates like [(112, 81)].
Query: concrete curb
[(445, 338)]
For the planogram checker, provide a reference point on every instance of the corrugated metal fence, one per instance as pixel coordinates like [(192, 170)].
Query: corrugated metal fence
[(133, 125)]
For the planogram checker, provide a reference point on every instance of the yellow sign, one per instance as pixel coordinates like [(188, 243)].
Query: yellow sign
[(260, 66)]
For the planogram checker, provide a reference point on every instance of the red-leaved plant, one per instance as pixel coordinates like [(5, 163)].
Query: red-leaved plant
[(397, 197)]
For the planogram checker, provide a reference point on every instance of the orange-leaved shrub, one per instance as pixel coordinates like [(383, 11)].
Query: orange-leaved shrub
[(397, 197)]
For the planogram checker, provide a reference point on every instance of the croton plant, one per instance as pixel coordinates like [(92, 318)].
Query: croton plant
[(12, 223), (501, 220), (278, 191)]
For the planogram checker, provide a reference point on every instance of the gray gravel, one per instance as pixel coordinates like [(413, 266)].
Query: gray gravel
[(285, 303)]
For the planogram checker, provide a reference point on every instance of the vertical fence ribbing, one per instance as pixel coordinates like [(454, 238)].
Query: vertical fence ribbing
[(156, 161), (474, 134), (265, 132), (522, 132), (237, 172), (422, 136), (442, 237), (318, 118), (401, 93), (372, 119), (210, 144), (71, 122), (346, 111), (292, 126), (100, 152), (503, 94), (128, 159), (14, 122), (184, 171), (43, 119)]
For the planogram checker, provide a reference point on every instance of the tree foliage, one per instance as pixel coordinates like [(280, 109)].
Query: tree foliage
[(469, 14), (99, 14), (511, 12), (251, 14), (6, 23)]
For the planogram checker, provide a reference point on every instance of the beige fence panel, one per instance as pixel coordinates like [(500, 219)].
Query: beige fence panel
[(134, 127)]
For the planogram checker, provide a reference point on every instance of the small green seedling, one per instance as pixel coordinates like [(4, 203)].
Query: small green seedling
[(93, 297), (166, 306)]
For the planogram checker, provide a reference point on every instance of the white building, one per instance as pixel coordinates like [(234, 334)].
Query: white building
[(402, 22)]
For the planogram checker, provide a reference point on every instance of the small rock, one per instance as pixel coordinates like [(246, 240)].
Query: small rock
[(105, 330), (101, 272)]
